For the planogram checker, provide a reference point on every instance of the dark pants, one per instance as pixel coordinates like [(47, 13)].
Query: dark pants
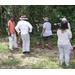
[(47, 38)]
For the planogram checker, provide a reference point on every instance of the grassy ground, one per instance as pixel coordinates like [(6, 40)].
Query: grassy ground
[(36, 60)]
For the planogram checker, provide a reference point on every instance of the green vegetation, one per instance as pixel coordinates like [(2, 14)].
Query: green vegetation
[(36, 60), (35, 13)]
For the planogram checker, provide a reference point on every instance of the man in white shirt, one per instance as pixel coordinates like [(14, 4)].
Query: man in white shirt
[(24, 27)]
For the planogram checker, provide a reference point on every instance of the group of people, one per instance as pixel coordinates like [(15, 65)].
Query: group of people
[(64, 35), (24, 28)]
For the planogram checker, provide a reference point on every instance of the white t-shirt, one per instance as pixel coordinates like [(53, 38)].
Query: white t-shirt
[(24, 27), (47, 27), (63, 38)]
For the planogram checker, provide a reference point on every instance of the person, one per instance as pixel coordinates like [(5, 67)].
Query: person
[(46, 33), (65, 20), (64, 35), (12, 34), (24, 26), (19, 34)]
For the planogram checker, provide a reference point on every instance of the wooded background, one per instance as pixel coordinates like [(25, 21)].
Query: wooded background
[(35, 14)]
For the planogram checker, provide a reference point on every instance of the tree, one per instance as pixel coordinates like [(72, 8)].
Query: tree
[(35, 14)]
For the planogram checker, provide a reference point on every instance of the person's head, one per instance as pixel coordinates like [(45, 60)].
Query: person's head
[(64, 20), (64, 25), (46, 19), (12, 18), (23, 18)]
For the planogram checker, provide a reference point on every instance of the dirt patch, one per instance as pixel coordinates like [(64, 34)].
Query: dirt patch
[(28, 60), (45, 52), (54, 52)]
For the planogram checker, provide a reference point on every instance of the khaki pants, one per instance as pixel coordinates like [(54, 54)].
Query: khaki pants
[(44, 39), (12, 41), (26, 42)]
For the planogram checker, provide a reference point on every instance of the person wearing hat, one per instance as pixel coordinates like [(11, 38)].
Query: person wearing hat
[(65, 20), (24, 27), (46, 33), (12, 34), (19, 34)]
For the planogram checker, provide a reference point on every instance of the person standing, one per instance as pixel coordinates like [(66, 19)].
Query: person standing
[(19, 40), (12, 34), (46, 33), (24, 27), (19, 34), (65, 20), (64, 35)]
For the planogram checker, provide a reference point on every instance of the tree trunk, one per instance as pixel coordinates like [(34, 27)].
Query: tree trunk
[(16, 11), (1, 17), (22, 10)]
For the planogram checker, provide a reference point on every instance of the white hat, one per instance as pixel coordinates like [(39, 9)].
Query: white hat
[(23, 18), (20, 18), (64, 19), (46, 18)]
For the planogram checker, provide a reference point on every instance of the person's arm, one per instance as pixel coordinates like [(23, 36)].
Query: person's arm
[(17, 28), (30, 27), (9, 30), (70, 34), (43, 30), (8, 24), (69, 26), (44, 27)]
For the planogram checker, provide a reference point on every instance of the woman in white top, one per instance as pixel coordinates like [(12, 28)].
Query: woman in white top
[(64, 35)]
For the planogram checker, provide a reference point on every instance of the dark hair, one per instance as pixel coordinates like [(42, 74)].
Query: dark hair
[(11, 16), (64, 25)]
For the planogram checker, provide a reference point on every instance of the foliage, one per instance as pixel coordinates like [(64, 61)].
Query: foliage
[(35, 14)]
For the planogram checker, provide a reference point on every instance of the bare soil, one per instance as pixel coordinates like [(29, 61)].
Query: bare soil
[(45, 52)]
